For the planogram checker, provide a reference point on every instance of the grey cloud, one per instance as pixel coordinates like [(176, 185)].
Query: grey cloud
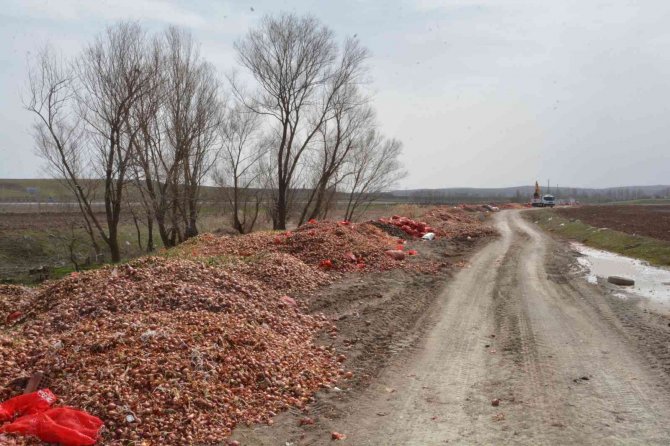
[(483, 93)]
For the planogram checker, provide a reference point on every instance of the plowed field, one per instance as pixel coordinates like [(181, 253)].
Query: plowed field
[(649, 220)]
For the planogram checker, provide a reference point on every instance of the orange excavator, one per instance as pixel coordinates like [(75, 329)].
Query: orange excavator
[(539, 201)]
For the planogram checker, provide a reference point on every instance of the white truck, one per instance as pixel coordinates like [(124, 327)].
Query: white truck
[(545, 201)]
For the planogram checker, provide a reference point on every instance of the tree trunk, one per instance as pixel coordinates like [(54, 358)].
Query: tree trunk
[(237, 224), (138, 230), (305, 209), (329, 203), (318, 204), (113, 244), (163, 232), (191, 229), (150, 233), (73, 256), (280, 218)]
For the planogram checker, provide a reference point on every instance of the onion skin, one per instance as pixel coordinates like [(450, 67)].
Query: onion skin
[(180, 348)]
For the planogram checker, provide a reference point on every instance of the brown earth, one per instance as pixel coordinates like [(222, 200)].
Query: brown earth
[(380, 317), (567, 362), (647, 220), (517, 348)]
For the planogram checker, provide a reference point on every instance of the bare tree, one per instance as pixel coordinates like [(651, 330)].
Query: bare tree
[(299, 72), (141, 217), (193, 114), (84, 127), (177, 123), (239, 171), (59, 137), (373, 168), (337, 136), (154, 162), (111, 78), (130, 109)]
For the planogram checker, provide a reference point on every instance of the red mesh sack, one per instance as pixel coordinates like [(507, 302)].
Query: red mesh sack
[(62, 425), (26, 404)]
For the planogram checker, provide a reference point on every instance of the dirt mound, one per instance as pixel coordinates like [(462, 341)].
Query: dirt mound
[(469, 207), (459, 222), (346, 246), (511, 206), (12, 292), (282, 272), (169, 351), (391, 230), (210, 245), (411, 227), (14, 302)]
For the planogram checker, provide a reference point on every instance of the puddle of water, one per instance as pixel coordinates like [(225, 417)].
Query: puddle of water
[(650, 282)]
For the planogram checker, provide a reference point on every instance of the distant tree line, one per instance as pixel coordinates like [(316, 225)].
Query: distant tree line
[(150, 111), (523, 194)]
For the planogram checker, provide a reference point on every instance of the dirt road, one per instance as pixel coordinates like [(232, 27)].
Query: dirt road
[(517, 326)]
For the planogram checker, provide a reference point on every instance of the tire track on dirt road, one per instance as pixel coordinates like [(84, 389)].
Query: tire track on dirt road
[(422, 400), (622, 401), (563, 372)]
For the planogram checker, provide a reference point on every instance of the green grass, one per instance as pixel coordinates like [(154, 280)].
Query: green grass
[(21, 250), (62, 271), (656, 252)]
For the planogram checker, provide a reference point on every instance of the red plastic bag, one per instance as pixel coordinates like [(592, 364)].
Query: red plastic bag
[(26, 404), (62, 425)]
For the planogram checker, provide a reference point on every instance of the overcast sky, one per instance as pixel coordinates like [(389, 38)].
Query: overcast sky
[(483, 93)]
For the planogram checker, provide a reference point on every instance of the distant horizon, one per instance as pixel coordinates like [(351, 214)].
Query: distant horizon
[(560, 186), (543, 186)]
